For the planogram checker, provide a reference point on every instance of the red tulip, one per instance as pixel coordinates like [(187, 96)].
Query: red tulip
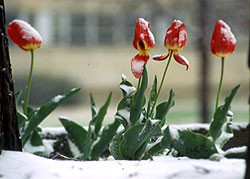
[(143, 42), (223, 41), (24, 35), (175, 39)]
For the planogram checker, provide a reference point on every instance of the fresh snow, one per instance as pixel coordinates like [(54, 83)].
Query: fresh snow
[(23, 165), (28, 31)]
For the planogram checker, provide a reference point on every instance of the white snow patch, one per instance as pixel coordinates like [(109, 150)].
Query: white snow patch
[(28, 147), (124, 77), (28, 31), (182, 35), (178, 23), (129, 89), (226, 32), (24, 165), (124, 113), (74, 149), (57, 98), (237, 150), (53, 131), (137, 66)]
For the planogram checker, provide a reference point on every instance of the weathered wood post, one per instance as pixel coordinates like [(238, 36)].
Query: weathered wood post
[(9, 134), (204, 62)]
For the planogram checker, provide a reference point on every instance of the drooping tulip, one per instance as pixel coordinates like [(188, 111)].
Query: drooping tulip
[(143, 42), (24, 35), (175, 40)]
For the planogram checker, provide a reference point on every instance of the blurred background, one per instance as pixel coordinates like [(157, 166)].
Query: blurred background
[(88, 44)]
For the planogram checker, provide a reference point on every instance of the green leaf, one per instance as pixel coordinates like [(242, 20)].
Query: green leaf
[(139, 99), (163, 108), (93, 108), (78, 135), (114, 146), (152, 97), (159, 145), (17, 97), (101, 114), (108, 133), (36, 139), (220, 116), (21, 119), (41, 113), (191, 144), (127, 88), (123, 108), (136, 136), (237, 152), (123, 111)]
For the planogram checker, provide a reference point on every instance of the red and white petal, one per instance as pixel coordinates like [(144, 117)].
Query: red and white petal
[(137, 64), (161, 57), (24, 35), (181, 60)]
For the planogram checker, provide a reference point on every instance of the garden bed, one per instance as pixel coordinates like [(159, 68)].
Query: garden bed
[(56, 142)]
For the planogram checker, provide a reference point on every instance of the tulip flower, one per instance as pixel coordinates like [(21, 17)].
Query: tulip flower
[(24, 35), (175, 40), (143, 42), (223, 41), (222, 45), (28, 39)]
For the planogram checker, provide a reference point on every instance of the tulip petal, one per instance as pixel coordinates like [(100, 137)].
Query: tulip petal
[(176, 36), (181, 60), (143, 38), (223, 41), (24, 35), (138, 63), (161, 57)]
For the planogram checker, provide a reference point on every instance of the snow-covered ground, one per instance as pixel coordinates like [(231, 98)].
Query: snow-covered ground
[(20, 165)]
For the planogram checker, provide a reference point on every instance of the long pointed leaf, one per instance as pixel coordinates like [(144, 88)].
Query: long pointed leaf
[(163, 108), (93, 108), (191, 144), (152, 97), (101, 114), (107, 135), (220, 115), (139, 101), (78, 135), (41, 113), (135, 137)]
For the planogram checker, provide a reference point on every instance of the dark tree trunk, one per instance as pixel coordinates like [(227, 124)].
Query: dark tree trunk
[(9, 134), (204, 66)]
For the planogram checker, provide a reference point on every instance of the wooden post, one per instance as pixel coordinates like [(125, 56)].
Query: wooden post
[(9, 133), (204, 66)]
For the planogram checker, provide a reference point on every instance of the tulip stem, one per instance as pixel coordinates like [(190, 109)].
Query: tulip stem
[(139, 83), (220, 84), (29, 84), (162, 80)]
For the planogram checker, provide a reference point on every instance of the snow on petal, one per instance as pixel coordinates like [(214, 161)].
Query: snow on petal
[(161, 57), (137, 64), (181, 60)]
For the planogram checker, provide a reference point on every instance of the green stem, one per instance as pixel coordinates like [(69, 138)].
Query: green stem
[(139, 83), (29, 84), (162, 80), (220, 84)]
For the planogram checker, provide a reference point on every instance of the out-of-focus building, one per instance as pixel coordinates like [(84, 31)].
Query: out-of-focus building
[(111, 22)]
